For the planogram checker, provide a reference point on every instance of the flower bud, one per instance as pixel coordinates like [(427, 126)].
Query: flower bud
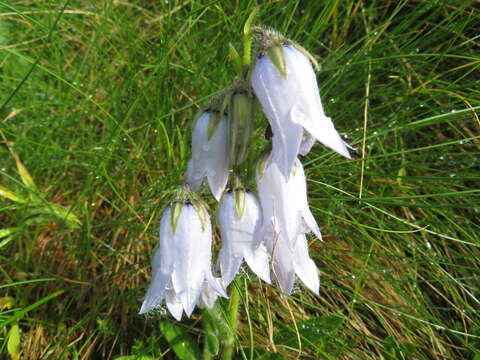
[(240, 126), (209, 153)]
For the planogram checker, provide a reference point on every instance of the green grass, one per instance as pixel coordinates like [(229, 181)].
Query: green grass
[(97, 100)]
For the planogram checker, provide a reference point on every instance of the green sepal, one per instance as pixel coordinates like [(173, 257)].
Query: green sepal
[(235, 58), (239, 198), (262, 161), (201, 211), (180, 198), (175, 213), (213, 121), (276, 54)]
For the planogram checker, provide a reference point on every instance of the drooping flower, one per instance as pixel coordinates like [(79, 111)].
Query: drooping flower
[(209, 153), (291, 102), (284, 203), (239, 217), (182, 263), (288, 262)]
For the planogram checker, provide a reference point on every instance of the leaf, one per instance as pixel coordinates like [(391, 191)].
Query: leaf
[(11, 195), (57, 211), (212, 342), (24, 174), (13, 345), (7, 232), (247, 28), (7, 302), (312, 331), (20, 313), (135, 357), (182, 343), (235, 58)]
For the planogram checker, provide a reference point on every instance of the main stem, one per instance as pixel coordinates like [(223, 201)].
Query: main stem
[(232, 319)]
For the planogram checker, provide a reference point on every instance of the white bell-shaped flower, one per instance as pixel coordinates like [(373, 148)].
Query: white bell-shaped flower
[(182, 262), (284, 203), (209, 154), (288, 262), (239, 218), (292, 105)]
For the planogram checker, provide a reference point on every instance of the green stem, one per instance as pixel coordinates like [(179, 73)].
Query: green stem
[(247, 50), (232, 318)]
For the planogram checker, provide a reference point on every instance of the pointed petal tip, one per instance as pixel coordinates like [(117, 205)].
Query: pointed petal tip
[(145, 308)]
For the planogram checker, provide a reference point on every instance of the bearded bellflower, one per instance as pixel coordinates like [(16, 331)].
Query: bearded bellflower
[(181, 267), (284, 203), (289, 262), (239, 217), (285, 83), (285, 221), (209, 153)]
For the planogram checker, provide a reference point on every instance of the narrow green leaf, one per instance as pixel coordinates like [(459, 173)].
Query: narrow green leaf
[(247, 28), (24, 174), (25, 310), (235, 58), (7, 232), (181, 342), (11, 195)]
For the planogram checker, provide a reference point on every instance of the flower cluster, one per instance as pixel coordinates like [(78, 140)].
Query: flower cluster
[(266, 229)]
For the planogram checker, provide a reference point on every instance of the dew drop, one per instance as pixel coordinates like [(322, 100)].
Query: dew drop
[(375, 133)]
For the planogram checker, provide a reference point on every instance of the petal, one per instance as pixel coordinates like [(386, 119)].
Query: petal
[(307, 143), (208, 297), (282, 263), (237, 235), (292, 102), (298, 191), (305, 268), (192, 254), (309, 111), (216, 284), (217, 170), (281, 205), (259, 260), (162, 266), (174, 305)]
